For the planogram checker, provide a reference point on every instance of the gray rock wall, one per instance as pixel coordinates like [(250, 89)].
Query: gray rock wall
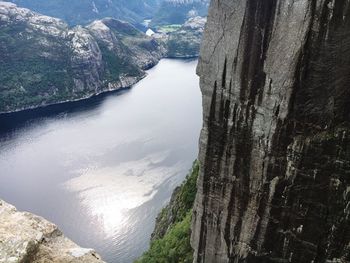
[(274, 178)]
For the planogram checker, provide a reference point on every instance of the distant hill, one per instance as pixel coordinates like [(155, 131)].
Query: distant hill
[(82, 12), (76, 12), (179, 11), (185, 42), (44, 61)]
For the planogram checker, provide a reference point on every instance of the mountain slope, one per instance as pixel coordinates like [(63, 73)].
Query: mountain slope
[(178, 11), (83, 12), (185, 42), (126, 40), (44, 61), (275, 146), (76, 12)]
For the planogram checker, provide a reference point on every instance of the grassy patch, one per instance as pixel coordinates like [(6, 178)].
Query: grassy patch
[(173, 244), (174, 247), (169, 28)]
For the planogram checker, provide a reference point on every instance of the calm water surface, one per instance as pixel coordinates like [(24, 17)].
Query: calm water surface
[(102, 169)]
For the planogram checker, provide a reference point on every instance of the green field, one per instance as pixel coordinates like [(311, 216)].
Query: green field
[(168, 28)]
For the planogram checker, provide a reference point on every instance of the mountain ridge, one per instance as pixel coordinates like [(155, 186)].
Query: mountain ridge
[(75, 12), (46, 62)]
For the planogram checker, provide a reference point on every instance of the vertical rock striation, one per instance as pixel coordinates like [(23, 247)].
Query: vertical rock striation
[(274, 182)]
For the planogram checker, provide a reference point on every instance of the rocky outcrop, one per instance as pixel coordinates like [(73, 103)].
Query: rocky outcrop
[(43, 61), (274, 183), (25, 237), (185, 42), (125, 39)]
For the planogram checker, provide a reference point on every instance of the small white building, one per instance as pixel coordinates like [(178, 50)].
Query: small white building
[(150, 32)]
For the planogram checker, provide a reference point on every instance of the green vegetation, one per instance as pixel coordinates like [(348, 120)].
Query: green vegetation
[(28, 76), (115, 65), (178, 47), (171, 240), (41, 67), (38, 68), (187, 194), (169, 28), (171, 12), (184, 43), (122, 29), (174, 247)]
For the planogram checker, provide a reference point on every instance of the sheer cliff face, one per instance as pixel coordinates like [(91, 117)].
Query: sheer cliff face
[(274, 182)]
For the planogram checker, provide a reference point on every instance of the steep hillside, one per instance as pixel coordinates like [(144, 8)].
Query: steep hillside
[(125, 39), (185, 42), (275, 148), (43, 61)]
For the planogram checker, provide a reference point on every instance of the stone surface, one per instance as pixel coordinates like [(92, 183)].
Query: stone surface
[(25, 237), (275, 146)]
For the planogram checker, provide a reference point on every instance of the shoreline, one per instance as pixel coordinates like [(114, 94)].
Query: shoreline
[(103, 92), (95, 95)]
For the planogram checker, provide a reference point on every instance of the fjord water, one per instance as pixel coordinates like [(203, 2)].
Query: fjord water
[(102, 169)]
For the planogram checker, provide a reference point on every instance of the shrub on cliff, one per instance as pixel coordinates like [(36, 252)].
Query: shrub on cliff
[(171, 237)]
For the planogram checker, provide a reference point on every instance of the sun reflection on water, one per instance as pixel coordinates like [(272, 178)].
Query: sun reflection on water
[(108, 193)]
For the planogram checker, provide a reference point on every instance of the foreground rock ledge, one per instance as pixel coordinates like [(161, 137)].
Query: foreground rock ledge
[(25, 237)]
